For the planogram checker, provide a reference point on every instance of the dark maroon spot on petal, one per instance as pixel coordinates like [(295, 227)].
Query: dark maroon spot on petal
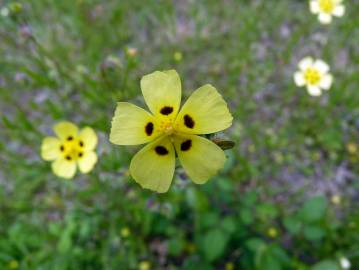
[(70, 138), (166, 110), (62, 148), (81, 143), (186, 145), (68, 157), (161, 150), (188, 121), (149, 129), (80, 154)]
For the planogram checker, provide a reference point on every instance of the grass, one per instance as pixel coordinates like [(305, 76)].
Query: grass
[(73, 60)]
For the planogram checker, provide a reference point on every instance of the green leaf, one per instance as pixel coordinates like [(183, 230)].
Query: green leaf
[(229, 224), (314, 209), (326, 265), (214, 244), (292, 224), (313, 233)]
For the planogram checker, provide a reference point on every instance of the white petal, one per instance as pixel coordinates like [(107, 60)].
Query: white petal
[(314, 6), (305, 63), (299, 78), (314, 90), (321, 66), (339, 11), (326, 81), (325, 18)]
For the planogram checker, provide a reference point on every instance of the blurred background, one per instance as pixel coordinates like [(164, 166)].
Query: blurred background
[(288, 196)]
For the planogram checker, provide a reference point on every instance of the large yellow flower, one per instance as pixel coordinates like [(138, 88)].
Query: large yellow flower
[(169, 130), (71, 148)]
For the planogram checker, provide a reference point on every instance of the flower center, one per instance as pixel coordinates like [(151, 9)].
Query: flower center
[(72, 148), (166, 127), (312, 76), (326, 6)]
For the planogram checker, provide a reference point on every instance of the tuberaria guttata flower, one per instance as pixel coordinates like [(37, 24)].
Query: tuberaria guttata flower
[(326, 9), (169, 130), (314, 74), (71, 148)]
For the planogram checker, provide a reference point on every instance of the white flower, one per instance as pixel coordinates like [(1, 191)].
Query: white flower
[(344, 263), (314, 74), (4, 12), (326, 9)]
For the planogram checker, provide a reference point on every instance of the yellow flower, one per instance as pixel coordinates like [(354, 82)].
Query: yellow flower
[(177, 56), (144, 265), (125, 232), (314, 74), (326, 9), (229, 266), (336, 199), (352, 148), (13, 264), (71, 148), (272, 232), (169, 130)]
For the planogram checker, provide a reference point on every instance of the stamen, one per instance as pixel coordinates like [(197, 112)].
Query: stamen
[(186, 145), (188, 121), (161, 150)]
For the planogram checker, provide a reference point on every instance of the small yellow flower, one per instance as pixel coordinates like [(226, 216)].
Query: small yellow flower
[(314, 74), (125, 232), (352, 148), (131, 51), (71, 148), (336, 199), (13, 264), (177, 56), (272, 232), (326, 9), (169, 130), (229, 266), (144, 265)]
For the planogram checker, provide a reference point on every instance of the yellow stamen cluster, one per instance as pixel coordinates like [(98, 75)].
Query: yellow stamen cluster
[(312, 76), (72, 148), (327, 6)]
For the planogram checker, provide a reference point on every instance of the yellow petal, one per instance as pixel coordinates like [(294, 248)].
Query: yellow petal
[(64, 168), (153, 166), (89, 138), (65, 129), (87, 162), (50, 148), (162, 92), (200, 158), (204, 112), (132, 125)]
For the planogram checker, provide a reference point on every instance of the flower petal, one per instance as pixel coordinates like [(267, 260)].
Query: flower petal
[(87, 162), (132, 125), (325, 18), (204, 112), (153, 166), (314, 6), (321, 66), (305, 63), (326, 81), (50, 148), (64, 168), (200, 158), (65, 129), (314, 90), (89, 138), (162, 92), (339, 11), (299, 78)]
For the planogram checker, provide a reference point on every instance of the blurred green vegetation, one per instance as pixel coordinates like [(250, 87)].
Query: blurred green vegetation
[(288, 196)]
